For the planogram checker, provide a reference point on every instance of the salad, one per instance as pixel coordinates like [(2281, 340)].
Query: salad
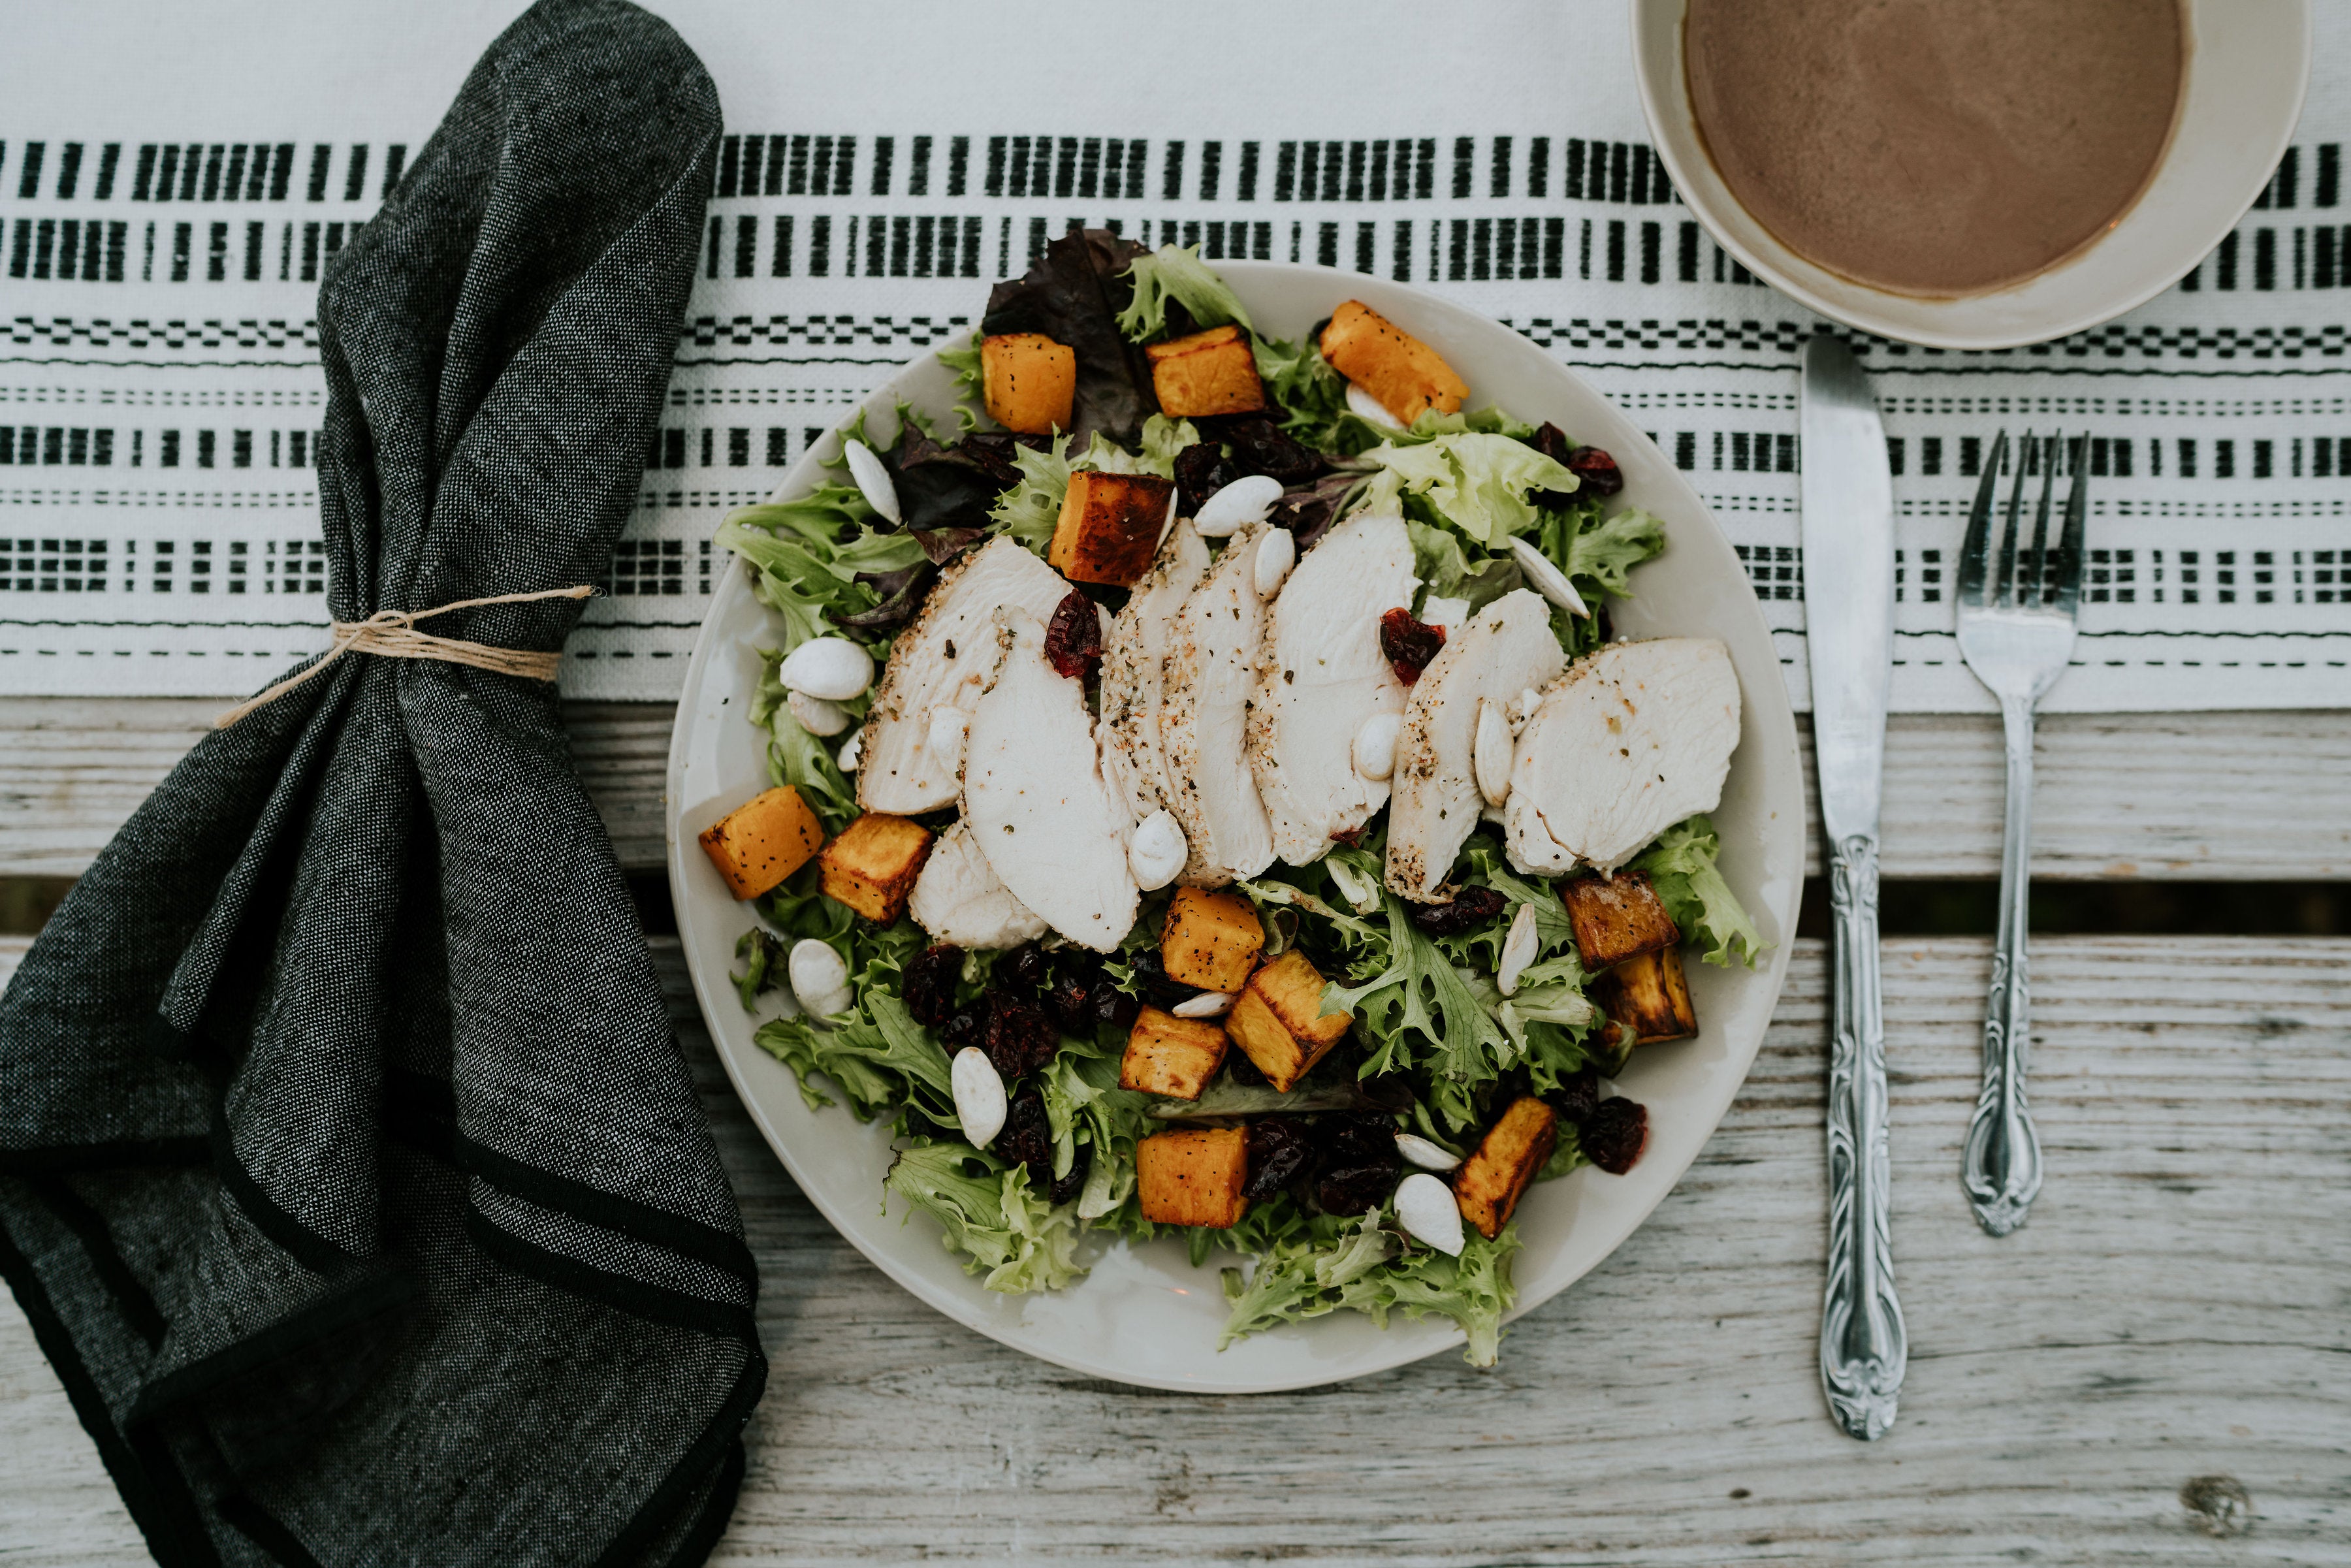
[(1208, 801)]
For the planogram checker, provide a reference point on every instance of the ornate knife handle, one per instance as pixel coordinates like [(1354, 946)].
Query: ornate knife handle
[(1863, 1347), (2003, 1168)]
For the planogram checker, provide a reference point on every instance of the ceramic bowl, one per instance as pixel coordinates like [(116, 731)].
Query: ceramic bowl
[(2247, 65)]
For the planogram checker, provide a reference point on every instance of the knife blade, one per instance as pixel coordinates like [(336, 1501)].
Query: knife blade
[(1847, 491)]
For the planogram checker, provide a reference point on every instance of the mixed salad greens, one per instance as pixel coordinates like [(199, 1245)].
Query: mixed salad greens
[(1437, 1047)]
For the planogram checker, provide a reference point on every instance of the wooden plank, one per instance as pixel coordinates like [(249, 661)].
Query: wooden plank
[(2251, 796), (2172, 1311)]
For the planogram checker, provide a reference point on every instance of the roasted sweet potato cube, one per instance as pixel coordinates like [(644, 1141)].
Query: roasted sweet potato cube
[(1194, 1177), (1209, 373), (1652, 995), (1492, 1179), (1404, 373), (1211, 939), (1172, 1056), (1279, 1023), (763, 840), (871, 866), (1110, 526), (1028, 382), (1618, 918)]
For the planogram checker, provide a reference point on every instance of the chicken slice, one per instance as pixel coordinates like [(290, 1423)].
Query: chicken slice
[(1132, 657), (1505, 649), (1627, 743), (1322, 677), (958, 898), (1035, 799), (942, 661), (1213, 649)]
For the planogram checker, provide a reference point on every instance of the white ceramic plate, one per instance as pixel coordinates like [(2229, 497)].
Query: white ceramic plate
[(1144, 1315), (2247, 65)]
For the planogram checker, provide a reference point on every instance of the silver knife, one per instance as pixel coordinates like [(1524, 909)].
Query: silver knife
[(1848, 501)]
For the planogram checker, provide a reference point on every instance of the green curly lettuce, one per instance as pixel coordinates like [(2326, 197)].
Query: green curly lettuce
[(1681, 866), (1475, 481), (1177, 273), (1004, 1232), (964, 361), (806, 555), (1355, 1264), (875, 1054)]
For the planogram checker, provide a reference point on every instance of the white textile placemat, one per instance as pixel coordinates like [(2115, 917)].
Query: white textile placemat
[(172, 177)]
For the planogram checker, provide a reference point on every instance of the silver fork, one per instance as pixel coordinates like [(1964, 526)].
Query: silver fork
[(2016, 608)]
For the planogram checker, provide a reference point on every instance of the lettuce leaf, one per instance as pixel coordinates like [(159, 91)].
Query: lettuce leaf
[(964, 361), (1358, 1265), (1478, 481), (1031, 508), (1310, 396), (1473, 1289), (1414, 1009), (1177, 273), (807, 556), (1604, 553), (1004, 1231), (1163, 438), (1681, 864)]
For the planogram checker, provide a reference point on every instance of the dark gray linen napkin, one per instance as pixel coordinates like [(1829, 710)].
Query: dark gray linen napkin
[(350, 1174)]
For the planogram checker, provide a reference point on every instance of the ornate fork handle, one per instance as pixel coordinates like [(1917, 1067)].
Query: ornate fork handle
[(1863, 1347), (2003, 1168)]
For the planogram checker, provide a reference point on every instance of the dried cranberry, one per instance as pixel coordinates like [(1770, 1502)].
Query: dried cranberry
[(1279, 1151), (930, 982), (1071, 1001), (1021, 1037), (1073, 642), (1407, 645), (1066, 1188), (1260, 448), (1597, 469), (1353, 1189), (1027, 1137), (1202, 470), (1352, 1140), (1351, 837), (1552, 440), (1113, 1006), (1615, 1133), (1470, 908), (1151, 979), (966, 1026), (1242, 1070), (1024, 966), (1575, 1096)]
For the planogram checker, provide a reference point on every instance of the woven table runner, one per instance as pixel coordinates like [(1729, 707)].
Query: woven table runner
[(173, 178)]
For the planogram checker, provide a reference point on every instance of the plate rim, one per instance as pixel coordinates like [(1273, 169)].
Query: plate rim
[(1402, 1343)]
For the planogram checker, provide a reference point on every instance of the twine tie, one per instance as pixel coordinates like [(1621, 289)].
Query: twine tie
[(393, 634)]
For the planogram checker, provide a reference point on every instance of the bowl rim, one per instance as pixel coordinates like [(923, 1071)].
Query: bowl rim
[(1402, 1343), (1665, 105)]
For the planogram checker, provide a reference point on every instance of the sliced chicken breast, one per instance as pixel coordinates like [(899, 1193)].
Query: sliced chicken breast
[(941, 662), (1623, 746), (1134, 656), (1213, 649), (1035, 799), (1505, 649), (958, 897), (1322, 677)]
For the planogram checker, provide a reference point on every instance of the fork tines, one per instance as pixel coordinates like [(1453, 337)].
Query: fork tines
[(2026, 576)]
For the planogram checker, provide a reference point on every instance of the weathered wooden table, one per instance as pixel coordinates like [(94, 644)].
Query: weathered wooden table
[(2158, 1369)]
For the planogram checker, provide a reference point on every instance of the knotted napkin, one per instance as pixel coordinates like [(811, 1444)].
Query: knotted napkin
[(350, 1174)]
